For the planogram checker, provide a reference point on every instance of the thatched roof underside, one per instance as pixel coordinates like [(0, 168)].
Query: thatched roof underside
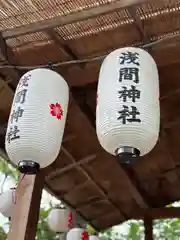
[(91, 181)]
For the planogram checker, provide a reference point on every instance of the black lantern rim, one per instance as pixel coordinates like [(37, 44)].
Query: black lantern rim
[(127, 154), (28, 167)]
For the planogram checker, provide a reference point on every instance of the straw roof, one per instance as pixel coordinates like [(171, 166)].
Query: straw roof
[(91, 181)]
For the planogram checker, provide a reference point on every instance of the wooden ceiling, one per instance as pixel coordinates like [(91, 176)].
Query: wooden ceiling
[(95, 184)]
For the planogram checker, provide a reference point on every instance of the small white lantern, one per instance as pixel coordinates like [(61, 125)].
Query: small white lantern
[(77, 234), (6, 203), (58, 220), (128, 112), (93, 237), (37, 120)]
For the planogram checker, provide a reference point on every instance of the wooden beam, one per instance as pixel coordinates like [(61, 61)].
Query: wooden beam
[(26, 210), (89, 202), (157, 213), (68, 138), (100, 189), (57, 38), (140, 195), (148, 226), (70, 18), (139, 24), (80, 95), (53, 174), (63, 45), (10, 59), (77, 77)]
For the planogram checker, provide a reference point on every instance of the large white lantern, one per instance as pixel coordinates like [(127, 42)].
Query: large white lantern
[(37, 120), (58, 220), (6, 203), (128, 112), (77, 234)]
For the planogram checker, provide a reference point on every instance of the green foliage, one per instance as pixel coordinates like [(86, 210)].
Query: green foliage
[(8, 170), (3, 235), (134, 231), (167, 229), (91, 230)]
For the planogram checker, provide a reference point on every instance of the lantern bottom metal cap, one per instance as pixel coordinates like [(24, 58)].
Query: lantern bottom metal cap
[(28, 167), (127, 154)]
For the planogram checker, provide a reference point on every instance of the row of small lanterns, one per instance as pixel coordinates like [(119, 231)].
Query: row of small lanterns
[(59, 220), (127, 111)]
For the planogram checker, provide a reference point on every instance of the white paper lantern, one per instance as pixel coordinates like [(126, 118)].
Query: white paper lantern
[(128, 112), (58, 220), (37, 120), (94, 237), (76, 234), (6, 203)]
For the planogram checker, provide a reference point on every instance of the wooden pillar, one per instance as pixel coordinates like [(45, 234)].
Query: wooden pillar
[(26, 209), (148, 225)]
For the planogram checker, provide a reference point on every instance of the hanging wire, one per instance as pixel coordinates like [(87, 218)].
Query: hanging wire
[(86, 60)]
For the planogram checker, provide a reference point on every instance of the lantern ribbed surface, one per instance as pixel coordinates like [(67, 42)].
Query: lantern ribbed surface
[(58, 220), (75, 234), (37, 118), (6, 203), (128, 112)]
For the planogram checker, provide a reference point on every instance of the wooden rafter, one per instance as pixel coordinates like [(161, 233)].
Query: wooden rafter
[(62, 44), (139, 194), (71, 18), (157, 213), (89, 202), (139, 24), (68, 137), (6, 51), (10, 59), (77, 77), (53, 174), (57, 38), (95, 183)]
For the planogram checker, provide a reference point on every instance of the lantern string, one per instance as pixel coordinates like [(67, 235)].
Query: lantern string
[(86, 60), (14, 195)]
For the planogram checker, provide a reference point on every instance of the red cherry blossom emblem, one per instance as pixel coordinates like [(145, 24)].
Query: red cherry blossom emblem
[(56, 110), (85, 236)]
